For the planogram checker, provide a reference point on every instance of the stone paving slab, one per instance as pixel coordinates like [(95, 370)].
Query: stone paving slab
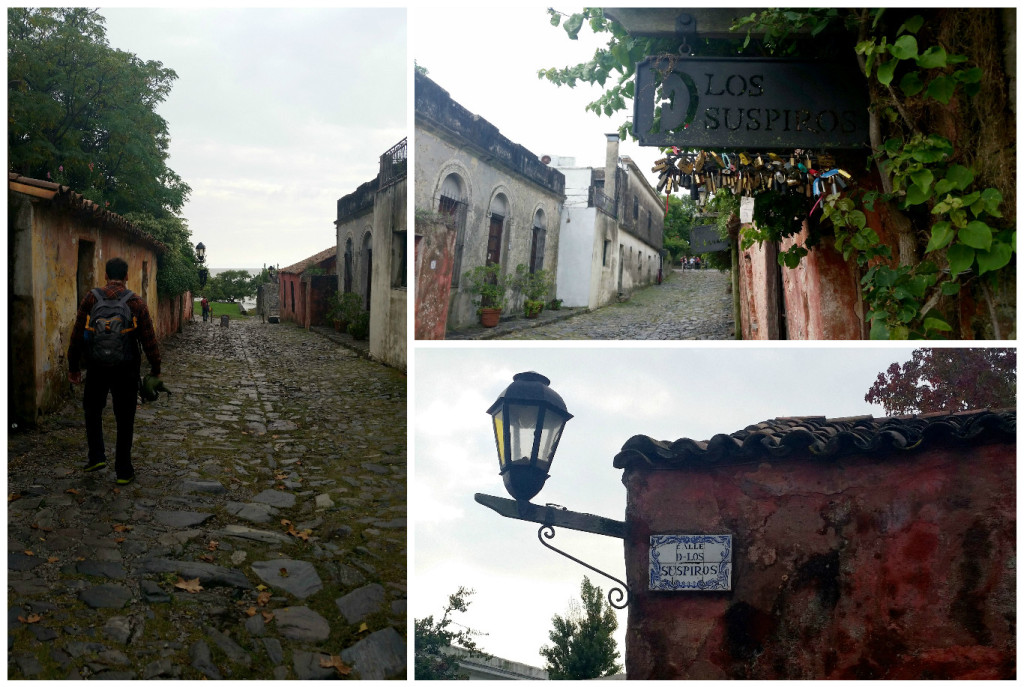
[(280, 448), (689, 304)]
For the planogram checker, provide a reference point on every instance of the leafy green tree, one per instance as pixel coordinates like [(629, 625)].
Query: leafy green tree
[(230, 285), (948, 380), (433, 641), (177, 270), (84, 114), (679, 220), (582, 644)]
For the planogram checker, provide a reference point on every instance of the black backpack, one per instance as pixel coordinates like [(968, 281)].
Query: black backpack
[(110, 330)]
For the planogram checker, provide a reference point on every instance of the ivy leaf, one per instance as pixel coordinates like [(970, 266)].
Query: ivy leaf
[(879, 330), (943, 186), (911, 25), (911, 83), (936, 324), (905, 48), (950, 288), (942, 234), (885, 72), (932, 58), (968, 76), (941, 89), (917, 195), (621, 53), (993, 198), (976, 235), (573, 25), (960, 176), (995, 258), (923, 177), (961, 257)]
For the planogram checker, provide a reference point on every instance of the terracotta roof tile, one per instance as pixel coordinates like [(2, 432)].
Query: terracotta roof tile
[(818, 437), (78, 203), (302, 265)]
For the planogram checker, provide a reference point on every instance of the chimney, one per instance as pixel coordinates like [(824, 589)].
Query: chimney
[(611, 164)]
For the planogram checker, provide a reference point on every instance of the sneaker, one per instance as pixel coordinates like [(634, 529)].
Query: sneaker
[(128, 479), (98, 465)]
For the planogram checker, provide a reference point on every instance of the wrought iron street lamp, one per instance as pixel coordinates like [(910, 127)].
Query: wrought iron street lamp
[(201, 257), (528, 419), (272, 271)]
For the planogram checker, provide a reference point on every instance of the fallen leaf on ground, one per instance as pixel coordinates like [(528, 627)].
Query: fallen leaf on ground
[(263, 599), (283, 572), (251, 611), (190, 586), (208, 558), (335, 662), (122, 528), (72, 491), (261, 587), (53, 559), (267, 617), (286, 523), (13, 497), (120, 540), (212, 546), (363, 627), (117, 490), (32, 618), (29, 553)]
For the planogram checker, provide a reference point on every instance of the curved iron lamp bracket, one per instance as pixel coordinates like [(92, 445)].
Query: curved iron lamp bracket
[(617, 598)]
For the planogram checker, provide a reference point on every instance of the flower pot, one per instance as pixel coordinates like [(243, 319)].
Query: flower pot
[(489, 316)]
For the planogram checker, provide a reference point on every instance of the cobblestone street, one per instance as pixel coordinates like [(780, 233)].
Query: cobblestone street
[(275, 475), (690, 304)]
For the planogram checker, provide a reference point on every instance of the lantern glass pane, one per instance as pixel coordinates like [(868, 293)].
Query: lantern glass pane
[(550, 432), (499, 435), (522, 423)]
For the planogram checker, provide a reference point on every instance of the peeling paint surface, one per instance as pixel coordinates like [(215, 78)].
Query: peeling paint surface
[(856, 568)]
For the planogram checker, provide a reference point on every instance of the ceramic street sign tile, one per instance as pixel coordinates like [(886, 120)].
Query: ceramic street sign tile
[(691, 562)]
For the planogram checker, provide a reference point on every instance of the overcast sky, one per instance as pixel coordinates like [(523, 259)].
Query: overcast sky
[(275, 115), (491, 70), (614, 393)]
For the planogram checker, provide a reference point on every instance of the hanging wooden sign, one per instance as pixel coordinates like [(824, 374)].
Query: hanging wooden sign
[(704, 238), (740, 102)]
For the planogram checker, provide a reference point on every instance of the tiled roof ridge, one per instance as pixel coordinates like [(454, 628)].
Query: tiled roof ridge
[(79, 203), (301, 265), (816, 437)]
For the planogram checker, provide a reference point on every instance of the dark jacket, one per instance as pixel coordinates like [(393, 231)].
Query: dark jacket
[(145, 331)]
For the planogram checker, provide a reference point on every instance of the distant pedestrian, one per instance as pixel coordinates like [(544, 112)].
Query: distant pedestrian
[(111, 324), (205, 305)]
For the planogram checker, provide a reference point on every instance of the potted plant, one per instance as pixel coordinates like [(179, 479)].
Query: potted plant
[(359, 327), (535, 287), (343, 309), (487, 287)]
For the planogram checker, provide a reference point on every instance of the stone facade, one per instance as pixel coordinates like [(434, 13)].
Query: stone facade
[(371, 231), (862, 548), (506, 204), (59, 244)]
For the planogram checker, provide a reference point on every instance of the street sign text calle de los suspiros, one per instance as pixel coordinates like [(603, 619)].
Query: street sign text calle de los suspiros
[(749, 103)]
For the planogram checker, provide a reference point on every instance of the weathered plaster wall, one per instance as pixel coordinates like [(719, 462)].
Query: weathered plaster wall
[(388, 303), (822, 294), (758, 288), (899, 566), (435, 250), (44, 294), (355, 228), (293, 300), (436, 157)]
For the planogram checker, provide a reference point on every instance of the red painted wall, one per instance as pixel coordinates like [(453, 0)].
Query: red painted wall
[(851, 568), (435, 254)]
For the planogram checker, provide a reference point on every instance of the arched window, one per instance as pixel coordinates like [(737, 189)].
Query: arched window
[(539, 238), (496, 218), (452, 204)]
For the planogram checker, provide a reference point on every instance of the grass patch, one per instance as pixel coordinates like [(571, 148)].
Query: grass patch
[(217, 309)]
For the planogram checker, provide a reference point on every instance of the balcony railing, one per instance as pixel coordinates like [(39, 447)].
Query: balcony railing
[(393, 164)]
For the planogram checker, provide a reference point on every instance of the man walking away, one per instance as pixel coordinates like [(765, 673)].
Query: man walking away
[(111, 324), (205, 304)]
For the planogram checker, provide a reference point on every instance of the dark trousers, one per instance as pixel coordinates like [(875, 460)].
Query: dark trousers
[(121, 383)]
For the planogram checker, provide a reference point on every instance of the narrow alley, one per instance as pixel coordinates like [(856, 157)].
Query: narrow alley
[(264, 536), (690, 304)]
